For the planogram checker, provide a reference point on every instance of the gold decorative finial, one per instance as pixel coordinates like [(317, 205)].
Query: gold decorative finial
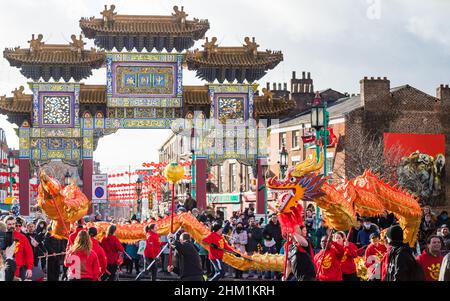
[(108, 15), (210, 47), (36, 44), (251, 46), (180, 15), (268, 95), (18, 93), (77, 45)]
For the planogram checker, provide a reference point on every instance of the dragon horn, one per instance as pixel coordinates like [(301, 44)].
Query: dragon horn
[(310, 166)]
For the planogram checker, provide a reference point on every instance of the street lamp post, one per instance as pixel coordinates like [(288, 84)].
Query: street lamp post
[(319, 121), (192, 143), (11, 167), (283, 161), (67, 178), (138, 192)]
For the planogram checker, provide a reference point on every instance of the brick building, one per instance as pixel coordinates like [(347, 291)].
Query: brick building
[(403, 110), (378, 110)]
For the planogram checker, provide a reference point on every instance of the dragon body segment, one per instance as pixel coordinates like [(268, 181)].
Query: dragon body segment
[(365, 195)]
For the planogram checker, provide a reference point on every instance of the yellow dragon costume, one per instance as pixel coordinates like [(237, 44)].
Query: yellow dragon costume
[(366, 195)]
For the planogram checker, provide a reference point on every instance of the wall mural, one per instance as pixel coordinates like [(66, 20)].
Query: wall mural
[(422, 165), (423, 175)]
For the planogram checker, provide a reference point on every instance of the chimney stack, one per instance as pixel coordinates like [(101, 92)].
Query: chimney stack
[(374, 89), (443, 93)]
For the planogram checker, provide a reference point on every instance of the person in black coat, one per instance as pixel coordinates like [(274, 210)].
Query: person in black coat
[(41, 230), (190, 203), (189, 266), (255, 236), (274, 229), (53, 246), (401, 264)]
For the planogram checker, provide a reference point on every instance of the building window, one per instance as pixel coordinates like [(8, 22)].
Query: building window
[(295, 139), (282, 139), (232, 177), (222, 179)]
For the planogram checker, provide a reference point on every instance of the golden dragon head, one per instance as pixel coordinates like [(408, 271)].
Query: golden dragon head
[(301, 183)]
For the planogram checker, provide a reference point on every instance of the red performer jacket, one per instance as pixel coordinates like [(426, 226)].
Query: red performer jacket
[(82, 265), (23, 252), (431, 265), (216, 239), (328, 263), (112, 246), (348, 265), (152, 245), (72, 237), (377, 250), (100, 255)]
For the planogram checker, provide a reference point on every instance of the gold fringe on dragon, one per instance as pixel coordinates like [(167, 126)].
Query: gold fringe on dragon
[(366, 195)]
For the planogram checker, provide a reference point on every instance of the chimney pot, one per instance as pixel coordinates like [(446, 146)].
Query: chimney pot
[(279, 86), (446, 86), (385, 78), (285, 87), (365, 77), (372, 78), (303, 74), (268, 86), (309, 75), (274, 85), (293, 74)]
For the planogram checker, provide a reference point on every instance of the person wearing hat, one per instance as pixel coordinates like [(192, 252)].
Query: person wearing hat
[(269, 246), (217, 245), (373, 255), (399, 263)]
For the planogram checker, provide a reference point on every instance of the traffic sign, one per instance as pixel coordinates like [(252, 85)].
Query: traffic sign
[(99, 184)]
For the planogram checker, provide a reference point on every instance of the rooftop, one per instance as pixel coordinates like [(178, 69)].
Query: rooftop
[(232, 63), (55, 60), (144, 31)]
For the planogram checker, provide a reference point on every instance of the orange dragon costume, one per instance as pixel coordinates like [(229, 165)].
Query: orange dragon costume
[(366, 195)]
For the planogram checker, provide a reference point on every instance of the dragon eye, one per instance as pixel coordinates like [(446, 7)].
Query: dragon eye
[(293, 180)]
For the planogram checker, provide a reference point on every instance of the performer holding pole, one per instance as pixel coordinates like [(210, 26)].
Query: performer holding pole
[(173, 173)]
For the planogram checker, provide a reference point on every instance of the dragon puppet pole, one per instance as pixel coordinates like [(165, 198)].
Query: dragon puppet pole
[(286, 252), (172, 209)]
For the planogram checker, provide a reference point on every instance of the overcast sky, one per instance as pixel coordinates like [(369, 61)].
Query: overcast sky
[(339, 42)]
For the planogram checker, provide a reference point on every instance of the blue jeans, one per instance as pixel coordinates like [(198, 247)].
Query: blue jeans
[(217, 266)]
